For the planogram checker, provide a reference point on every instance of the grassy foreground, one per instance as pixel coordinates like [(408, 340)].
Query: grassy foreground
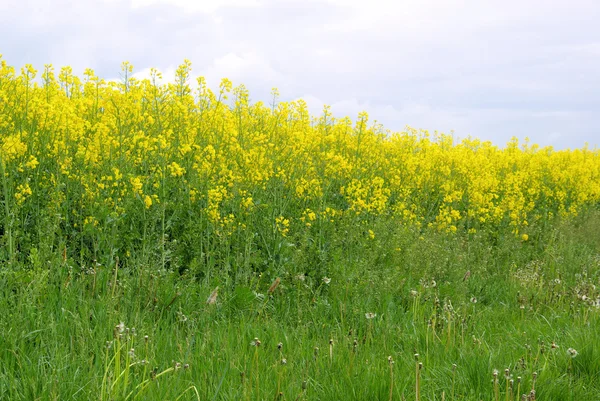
[(467, 305)]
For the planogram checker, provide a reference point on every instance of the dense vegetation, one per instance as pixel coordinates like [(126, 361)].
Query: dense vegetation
[(268, 254)]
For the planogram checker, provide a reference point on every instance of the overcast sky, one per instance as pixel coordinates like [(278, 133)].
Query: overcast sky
[(485, 68)]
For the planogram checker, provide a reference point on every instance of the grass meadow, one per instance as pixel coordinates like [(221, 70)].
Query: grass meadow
[(164, 242)]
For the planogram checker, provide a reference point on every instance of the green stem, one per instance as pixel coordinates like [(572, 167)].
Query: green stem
[(7, 223)]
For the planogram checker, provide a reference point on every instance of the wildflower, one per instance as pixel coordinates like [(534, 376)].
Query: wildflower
[(370, 315), (255, 343), (572, 352), (182, 318), (176, 170), (23, 191), (32, 163), (473, 300), (326, 280), (284, 361), (283, 225)]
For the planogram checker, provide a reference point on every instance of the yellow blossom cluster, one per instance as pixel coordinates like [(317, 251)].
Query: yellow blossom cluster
[(140, 151)]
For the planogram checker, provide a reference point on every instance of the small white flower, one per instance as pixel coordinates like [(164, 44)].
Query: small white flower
[(572, 352), (326, 280), (370, 315)]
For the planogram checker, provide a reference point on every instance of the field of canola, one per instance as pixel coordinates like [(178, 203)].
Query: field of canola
[(90, 161), (264, 253)]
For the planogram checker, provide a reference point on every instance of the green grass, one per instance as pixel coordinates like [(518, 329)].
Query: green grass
[(519, 298)]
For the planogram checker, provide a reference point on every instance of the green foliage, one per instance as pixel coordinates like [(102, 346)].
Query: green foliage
[(479, 301)]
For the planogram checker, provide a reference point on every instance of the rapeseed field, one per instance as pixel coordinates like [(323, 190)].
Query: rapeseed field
[(263, 253)]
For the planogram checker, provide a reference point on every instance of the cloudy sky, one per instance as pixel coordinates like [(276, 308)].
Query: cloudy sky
[(485, 68)]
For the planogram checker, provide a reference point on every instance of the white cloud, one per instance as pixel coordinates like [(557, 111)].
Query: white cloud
[(480, 68), (205, 6)]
